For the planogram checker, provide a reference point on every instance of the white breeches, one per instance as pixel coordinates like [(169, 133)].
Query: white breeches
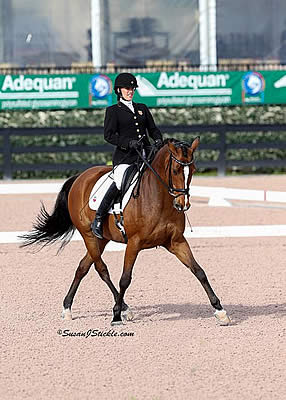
[(118, 174)]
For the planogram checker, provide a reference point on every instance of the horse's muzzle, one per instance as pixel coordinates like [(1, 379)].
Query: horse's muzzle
[(179, 206)]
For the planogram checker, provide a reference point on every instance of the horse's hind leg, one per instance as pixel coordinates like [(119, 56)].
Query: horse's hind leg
[(96, 248), (81, 271), (182, 251)]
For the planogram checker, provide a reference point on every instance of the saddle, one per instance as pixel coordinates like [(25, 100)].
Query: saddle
[(130, 178), (130, 186)]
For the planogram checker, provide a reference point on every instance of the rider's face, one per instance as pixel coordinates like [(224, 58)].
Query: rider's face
[(128, 93)]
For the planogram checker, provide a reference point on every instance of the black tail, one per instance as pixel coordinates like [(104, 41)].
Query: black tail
[(50, 228)]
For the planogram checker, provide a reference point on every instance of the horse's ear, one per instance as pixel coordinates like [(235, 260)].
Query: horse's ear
[(195, 143)]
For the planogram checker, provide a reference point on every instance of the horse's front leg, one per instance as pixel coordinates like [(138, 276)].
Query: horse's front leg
[(181, 249), (125, 280)]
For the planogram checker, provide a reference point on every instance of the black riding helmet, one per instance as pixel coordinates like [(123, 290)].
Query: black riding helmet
[(124, 80)]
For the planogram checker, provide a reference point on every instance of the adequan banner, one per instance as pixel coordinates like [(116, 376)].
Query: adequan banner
[(160, 89), (182, 89), (169, 89), (54, 91)]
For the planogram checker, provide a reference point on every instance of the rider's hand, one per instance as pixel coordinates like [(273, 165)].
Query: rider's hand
[(158, 143), (133, 144)]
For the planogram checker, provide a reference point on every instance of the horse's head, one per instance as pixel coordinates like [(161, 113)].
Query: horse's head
[(180, 166)]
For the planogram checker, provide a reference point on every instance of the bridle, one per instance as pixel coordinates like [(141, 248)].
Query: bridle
[(170, 187), (172, 191)]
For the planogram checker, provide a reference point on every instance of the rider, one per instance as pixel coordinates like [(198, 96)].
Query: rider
[(125, 127)]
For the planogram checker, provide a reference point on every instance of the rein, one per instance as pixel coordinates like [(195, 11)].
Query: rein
[(152, 169)]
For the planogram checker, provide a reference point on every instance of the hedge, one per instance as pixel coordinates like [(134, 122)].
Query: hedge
[(162, 116), (175, 116)]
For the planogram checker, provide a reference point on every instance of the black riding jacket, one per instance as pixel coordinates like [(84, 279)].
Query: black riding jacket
[(122, 125)]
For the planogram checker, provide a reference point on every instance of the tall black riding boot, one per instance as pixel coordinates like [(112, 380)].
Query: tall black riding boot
[(97, 225)]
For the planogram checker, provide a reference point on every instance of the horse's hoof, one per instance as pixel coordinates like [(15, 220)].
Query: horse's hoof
[(127, 314), (116, 323), (66, 314), (222, 317)]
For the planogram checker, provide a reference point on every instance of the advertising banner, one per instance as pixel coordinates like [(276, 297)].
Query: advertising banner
[(160, 89), (182, 89), (54, 91)]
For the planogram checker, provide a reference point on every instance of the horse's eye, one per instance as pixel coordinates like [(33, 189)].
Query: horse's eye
[(175, 172)]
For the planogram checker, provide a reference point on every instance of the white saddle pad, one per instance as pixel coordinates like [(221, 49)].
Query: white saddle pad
[(101, 187)]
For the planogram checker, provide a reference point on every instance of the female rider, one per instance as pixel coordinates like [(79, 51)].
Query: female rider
[(125, 127)]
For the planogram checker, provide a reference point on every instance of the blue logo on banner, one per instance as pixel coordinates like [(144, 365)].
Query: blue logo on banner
[(100, 86), (253, 83)]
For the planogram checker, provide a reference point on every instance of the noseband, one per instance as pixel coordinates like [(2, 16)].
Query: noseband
[(173, 191)]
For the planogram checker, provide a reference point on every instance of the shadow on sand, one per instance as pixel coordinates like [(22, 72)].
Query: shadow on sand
[(237, 312), (177, 312)]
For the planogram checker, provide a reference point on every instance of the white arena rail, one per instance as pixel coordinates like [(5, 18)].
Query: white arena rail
[(217, 195)]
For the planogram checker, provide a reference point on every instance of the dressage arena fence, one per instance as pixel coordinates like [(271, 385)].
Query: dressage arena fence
[(15, 153)]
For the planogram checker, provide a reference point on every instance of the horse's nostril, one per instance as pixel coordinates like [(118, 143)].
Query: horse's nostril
[(178, 206)]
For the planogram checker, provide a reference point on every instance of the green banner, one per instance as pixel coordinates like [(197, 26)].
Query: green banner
[(181, 89), (55, 91), (160, 89), (170, 89)]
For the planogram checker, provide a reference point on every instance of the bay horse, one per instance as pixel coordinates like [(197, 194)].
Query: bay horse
[(155, 218)]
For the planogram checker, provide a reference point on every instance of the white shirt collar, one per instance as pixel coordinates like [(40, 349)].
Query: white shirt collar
[(129, 104)]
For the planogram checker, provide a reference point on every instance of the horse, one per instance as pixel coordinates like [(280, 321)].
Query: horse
[(155, 218)]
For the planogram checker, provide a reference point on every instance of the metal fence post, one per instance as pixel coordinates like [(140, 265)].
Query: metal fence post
[(222, 156), (7, 156)]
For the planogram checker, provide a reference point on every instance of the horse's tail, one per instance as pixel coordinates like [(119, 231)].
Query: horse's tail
[(50, 228)]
